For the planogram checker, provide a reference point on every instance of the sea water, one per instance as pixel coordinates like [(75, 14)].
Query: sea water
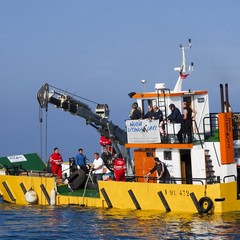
[(76, 222)]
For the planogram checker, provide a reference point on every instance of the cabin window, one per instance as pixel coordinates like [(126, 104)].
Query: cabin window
[(149, 154), (236, 153), (200, 100), (167, 155)]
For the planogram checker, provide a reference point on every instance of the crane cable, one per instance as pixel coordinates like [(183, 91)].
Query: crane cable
[(46, 134), (41, 133), (41, 137), (73, 95)]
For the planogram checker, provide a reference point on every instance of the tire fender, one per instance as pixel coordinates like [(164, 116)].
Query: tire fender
[(77, 179), (206, 204)]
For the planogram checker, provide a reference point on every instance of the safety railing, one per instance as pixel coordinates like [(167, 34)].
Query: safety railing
[(210, 126)]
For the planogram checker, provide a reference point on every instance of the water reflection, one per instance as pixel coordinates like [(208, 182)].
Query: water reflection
[(74, 222)]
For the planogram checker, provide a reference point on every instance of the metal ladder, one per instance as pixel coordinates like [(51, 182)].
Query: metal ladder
[(210, 173)]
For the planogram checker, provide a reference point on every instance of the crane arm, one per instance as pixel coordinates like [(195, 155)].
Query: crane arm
[(98, 119)]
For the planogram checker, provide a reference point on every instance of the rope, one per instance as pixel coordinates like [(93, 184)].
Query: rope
[(41, 137), (46, 135), (73, 95)]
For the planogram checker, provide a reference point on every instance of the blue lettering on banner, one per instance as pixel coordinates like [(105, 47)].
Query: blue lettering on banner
[(140, 129), (134, 129), (136, 124), (137, 127)]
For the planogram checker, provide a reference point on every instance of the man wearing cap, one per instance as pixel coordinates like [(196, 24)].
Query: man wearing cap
[(163, 173)]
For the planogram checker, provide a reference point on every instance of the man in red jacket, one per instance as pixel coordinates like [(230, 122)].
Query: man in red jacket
[(119, 169), (56, 161)]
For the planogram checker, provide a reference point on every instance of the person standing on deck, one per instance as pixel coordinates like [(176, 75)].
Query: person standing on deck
[(98, 168), (119, 169), (56, 162), (176, 117), (135, 112), (158, 114), (81, 160), (163, 173), (150, 113), (188, 114)]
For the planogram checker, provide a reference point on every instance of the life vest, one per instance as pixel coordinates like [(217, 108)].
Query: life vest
[(120, 165), (104, 141)]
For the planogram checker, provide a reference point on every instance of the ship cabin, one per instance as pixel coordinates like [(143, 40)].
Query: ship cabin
[(212, 156)]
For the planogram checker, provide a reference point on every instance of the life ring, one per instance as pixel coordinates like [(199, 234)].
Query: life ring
[(206, 204), (77, 179)]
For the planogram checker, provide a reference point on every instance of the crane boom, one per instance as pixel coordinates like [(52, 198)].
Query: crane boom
[(98, 119)]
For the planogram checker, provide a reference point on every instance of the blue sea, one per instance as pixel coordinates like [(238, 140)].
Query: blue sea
[(76, 222)]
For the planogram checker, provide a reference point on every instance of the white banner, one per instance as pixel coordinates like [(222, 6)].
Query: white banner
[(143, 131), (17, 158)]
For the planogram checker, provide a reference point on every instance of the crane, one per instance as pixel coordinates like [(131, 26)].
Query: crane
[(98, 119)]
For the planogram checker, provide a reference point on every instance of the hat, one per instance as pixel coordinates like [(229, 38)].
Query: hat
[(156, 159)]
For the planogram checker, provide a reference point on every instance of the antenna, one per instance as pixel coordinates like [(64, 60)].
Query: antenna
[(190, 67), (183, 70), (190, 42)]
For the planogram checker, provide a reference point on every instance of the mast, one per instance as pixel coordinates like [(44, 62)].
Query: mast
[(183, 72)]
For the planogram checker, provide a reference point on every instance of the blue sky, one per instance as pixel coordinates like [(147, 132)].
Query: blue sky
[(100, 50)]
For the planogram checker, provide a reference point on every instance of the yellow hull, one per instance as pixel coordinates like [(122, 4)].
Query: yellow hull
[(177, 196), (11, 190), (126, 195)]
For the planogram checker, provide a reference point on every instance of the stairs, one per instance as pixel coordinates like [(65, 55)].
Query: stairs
[(210, 173)]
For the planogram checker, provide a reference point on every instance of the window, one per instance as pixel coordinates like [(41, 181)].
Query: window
[(167, 155)]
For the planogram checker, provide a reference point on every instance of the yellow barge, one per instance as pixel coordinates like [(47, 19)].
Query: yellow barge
[(204, 173), (219, 197)]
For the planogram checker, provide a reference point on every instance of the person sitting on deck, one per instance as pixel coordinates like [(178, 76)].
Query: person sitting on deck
[(162, 171)]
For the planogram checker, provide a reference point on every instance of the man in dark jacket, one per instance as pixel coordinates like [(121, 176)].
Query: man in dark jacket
[(135, 112), (163, 173), (176, 117)]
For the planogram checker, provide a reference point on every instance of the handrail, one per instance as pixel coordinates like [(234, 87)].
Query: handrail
[(173, 180), (228, 176), (211, 117), (198, 132), (191, 179)]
